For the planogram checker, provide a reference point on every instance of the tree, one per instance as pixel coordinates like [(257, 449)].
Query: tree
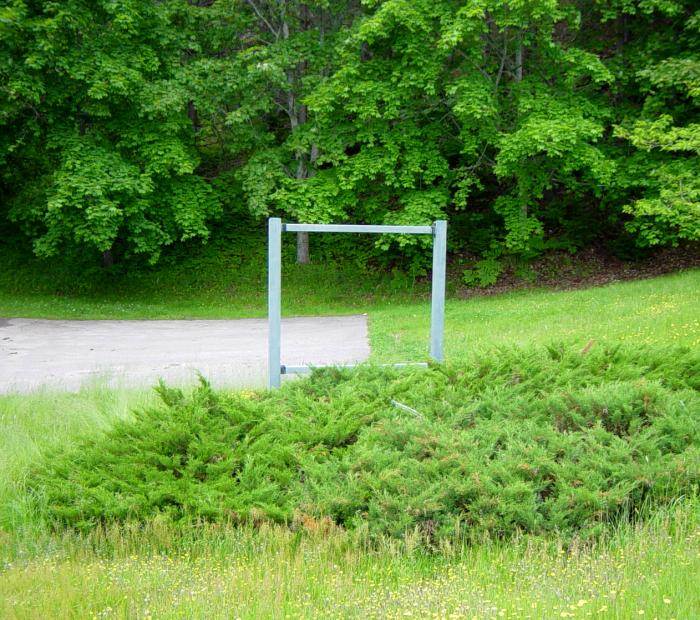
[(98, 149), (279, 52), (662, 174), (441, 107), (128, 126)]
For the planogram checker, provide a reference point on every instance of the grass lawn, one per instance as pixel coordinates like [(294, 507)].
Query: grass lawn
[(661, 311), (217, 283), (647, 570), (229, 281)]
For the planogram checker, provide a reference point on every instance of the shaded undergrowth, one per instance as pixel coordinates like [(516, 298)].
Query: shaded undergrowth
[(517, 440)]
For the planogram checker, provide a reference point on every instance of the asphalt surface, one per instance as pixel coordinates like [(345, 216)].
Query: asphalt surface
[(67, 355)]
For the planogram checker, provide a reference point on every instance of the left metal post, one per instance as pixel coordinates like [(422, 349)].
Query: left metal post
[(274, 300)]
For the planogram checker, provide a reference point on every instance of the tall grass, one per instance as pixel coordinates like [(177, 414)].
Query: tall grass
[(649, 570), (33, 424)]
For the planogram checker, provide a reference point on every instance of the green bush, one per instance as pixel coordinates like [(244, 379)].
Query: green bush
[(534, 440)]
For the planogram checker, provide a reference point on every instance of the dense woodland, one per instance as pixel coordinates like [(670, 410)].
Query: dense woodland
[(131, 126)]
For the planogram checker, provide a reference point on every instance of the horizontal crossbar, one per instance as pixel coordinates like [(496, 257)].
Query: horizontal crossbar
[(358, 228), (304, 370)]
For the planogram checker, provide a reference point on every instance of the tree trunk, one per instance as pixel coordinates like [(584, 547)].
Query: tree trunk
[(194, 117), (298, 116), (303, 257), (519, 78), (305, 172), (519, 58), (303, 248), (107, 259)]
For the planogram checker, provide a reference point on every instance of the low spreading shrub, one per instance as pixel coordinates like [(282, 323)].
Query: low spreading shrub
[(533, 440)]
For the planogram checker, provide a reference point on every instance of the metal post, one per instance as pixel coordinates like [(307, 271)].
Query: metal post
[(437, 310), (274, 282), (274, 300)]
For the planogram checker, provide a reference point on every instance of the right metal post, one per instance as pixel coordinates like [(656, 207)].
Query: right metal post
[(437, 309)]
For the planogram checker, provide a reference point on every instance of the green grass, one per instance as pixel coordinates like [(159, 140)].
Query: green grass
[(312, 290), (162, 571), (659, 311), (662, 310), (648, 571), (33, 424), (226, 280)]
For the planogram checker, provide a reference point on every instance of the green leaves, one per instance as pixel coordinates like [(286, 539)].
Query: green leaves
[(660, 134), (670, 212), (100, 98), (665, 170), (546, 122)]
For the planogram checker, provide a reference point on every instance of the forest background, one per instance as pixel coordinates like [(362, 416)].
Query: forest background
[(132, 130)]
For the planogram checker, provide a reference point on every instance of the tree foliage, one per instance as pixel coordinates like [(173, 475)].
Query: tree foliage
[(97, 146), (666, 134), (535, 125)]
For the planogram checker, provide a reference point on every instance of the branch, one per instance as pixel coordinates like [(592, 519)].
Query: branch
[(260, 15), (503, 61)]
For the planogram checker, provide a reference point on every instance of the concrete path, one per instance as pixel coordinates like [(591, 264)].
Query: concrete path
[(68, 354)]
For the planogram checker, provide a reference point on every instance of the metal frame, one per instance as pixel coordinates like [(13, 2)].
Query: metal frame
[(274, 285)]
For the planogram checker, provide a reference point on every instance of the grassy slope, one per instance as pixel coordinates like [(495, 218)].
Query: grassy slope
[(659, 311), (313, 290), (662, 310), (228, 280), (647, 566)]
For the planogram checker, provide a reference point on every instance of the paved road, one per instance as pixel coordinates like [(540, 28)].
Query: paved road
[(68, 354)]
